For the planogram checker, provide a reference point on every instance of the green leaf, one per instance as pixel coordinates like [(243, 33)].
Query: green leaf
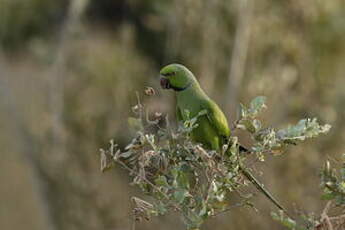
[(203, 210), (106, 161), (251, 126), (242, 113), (289, 223), (160, 208), (161, 181), (180, 176), (327, 196), (257, 105), (305, 128), (247, 125), (257, 125), (180, 195), (342, 186), (192, 219), (126, 154)]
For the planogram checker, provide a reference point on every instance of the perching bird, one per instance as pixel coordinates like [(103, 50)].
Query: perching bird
[(212, 130)]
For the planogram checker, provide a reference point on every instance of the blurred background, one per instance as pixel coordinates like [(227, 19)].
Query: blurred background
[(69, 70)]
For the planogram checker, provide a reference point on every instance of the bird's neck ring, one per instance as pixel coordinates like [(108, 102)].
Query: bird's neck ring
[(179, 89)]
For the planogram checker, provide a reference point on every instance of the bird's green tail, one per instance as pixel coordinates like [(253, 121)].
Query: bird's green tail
[(257, 184), (261, 188)]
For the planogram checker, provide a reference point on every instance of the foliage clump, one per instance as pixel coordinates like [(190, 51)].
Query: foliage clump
[(332, 216), (177, 174)]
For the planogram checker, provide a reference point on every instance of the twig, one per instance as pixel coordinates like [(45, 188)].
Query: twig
[(324, 216), (337, 217), (143, 178), (147, 181), (334, 190), (133, 224), (228, 209)]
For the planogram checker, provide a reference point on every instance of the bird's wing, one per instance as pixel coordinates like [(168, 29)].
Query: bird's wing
[(217, 119)]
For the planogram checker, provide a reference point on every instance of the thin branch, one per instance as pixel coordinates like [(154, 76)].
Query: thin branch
[(337, 217), (230, 208), (324, 216), (143, 178)]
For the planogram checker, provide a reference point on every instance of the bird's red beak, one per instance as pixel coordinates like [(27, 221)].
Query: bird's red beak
[(165, 83)]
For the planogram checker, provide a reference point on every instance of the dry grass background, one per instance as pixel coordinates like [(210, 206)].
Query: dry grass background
[(69, 71)]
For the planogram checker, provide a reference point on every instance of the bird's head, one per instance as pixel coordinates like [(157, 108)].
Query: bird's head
[(176, 77)]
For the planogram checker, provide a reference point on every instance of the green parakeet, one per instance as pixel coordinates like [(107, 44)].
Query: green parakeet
[(212, 130)]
